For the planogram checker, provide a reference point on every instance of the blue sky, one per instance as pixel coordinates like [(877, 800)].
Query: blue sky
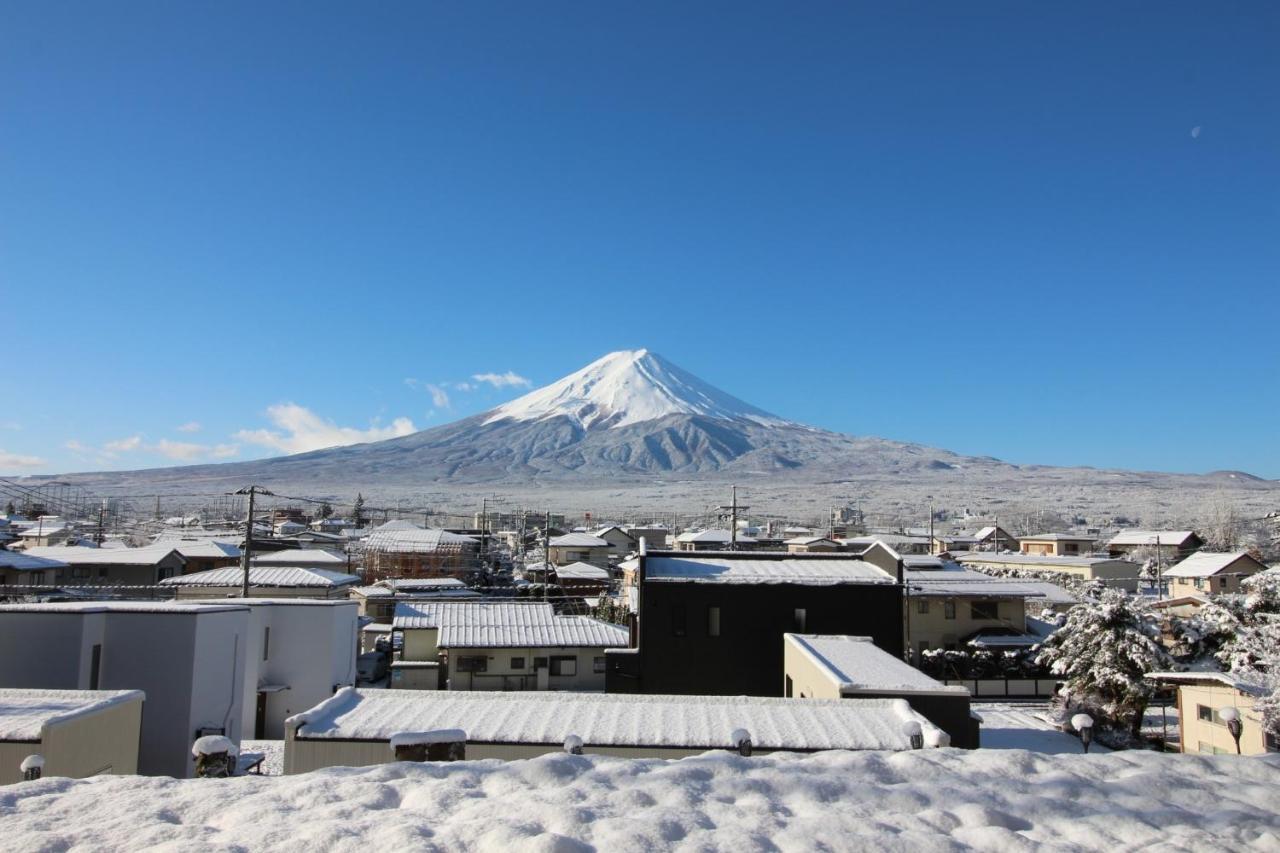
[(1046, 233)]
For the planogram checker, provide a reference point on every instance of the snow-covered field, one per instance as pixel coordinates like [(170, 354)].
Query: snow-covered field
[(1024, 725), (912, 801)]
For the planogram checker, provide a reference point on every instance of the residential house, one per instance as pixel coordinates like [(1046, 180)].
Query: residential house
[(843, 667), (501, 645), (264, 582), (994, 538), (1173, 545), (582, 579), (378, 601), (303, 558), (1210, 573), (359, 728), (905, 544), (812, 545), (203, 554), (1121, 574), (655, 537), (953, 544), (18, 569), (1056, 544), (712, 623), (78, 733), (43, 535), (579, 548), (712, 540), (289, 527), (621, 543), (1202, 697), (145, 566), (188, 659)]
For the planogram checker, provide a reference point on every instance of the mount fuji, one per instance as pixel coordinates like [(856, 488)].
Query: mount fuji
[(634, 427)]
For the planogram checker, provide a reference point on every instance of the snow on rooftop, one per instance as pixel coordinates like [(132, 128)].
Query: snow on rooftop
[(931, 799), (1244, 685), (202, 548), (582, 571), (298, 557), (689, 722), (274, 576), (627, 387), (1203, 564), (1033, 560), (720, 536), (79, 555), (421, 584), (1150, 537), (190, 608), (857, 665), (959, 581), (578, 540), (471, 624), (23, 713), (25, 562), (415, 540), (1058, 537), (739, 569)]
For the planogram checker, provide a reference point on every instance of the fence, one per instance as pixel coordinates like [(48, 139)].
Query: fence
[(1008, 688)]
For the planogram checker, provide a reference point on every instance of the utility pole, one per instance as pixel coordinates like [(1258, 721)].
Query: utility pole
[(1159, 572), (102, 512), (733, 518), (546, 552), (484, 526), (931, 527), (246, 558)]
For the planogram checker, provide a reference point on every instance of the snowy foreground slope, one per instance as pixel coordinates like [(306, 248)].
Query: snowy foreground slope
[(916, 801)]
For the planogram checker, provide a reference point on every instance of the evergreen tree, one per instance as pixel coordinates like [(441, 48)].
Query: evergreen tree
[(325, 511), (10, 509), (357, 511), (1104, 652)]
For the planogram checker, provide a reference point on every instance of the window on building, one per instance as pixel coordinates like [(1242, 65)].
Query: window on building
[(713, 621), (1071, 548), (517, 663), (799, 618), (1205, 713), (677, 620), (80, 572), (266, 642), (564, 665), (95, 666), (922, 605), (949, 609), (539, 663), (987, 610), (1199, 583), (597, 664), (472, 663)]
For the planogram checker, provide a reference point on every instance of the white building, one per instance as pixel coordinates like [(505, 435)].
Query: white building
[(189, 660), (264, 582)]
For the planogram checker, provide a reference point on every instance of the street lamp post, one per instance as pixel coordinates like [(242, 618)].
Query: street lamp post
[(1235, 726), (1083, 723)]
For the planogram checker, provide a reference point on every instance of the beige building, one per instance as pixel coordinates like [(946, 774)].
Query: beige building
[(812, 545), (19, 569), (1056, 545), (994, 538), (501, 646), (356, 728), (1174, 545), (113, 566), (579, 548), (78, 733), (621, 543), (1206, 573), (1121, 574), (1202, 696)]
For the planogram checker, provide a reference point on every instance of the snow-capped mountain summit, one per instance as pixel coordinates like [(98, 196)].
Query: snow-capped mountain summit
[(629, 387)]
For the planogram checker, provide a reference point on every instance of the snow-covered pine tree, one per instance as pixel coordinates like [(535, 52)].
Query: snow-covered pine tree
[(1104, 652)]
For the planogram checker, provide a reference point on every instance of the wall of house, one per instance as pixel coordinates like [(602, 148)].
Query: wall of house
[(417, 677), (203, 593), (805, 679), (106, 741), (500, 674), (420, 644), (1056, 548), (1210, 736), (747, 656), (592, 556), (51, 645), (936, 631)]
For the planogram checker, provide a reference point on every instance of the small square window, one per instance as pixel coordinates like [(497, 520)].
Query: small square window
[(597, 664), (713, 621), (949, 609), (799, 618), (984, 610), (1204, 713), (922, 605), (517, 663), (564, 665)]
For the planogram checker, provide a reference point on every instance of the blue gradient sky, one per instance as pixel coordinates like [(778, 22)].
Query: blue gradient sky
[(1043, 233)]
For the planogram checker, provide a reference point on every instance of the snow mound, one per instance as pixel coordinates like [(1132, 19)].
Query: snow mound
[(629, 387), (936, 799)]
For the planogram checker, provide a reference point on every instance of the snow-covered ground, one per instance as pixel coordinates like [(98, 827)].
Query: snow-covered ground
[(918, 801), (272, 755), (1025, 725)]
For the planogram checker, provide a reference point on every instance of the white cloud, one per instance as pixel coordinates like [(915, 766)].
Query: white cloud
[(439, 396), (123, 445), (187, 451), (76, 447), (503, 380), (10, 461), (464, 386), (300, 430), (1195, 132), (225, 451), (190, 426)]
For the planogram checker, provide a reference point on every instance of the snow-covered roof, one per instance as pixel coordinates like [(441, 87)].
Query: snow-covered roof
[(733, 568), (1244, 685), (1149, 537), (471, 624), (298, 557), (712, 536), (415, 540), (578, 540), (1034, 560), (170, 607), (24, 562), (961, 582), (582, 571), (603, 720), (269, 576), (809, 540), (1005, 641), (1058, 537), (39, 531), (78, 555), (1203, 564), (421, 584), (600, 532), (857, 665), (628, 387), (24, 713), (196, 549)]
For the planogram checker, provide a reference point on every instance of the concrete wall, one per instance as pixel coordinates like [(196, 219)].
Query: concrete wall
[(420, 644), (415, 677), (105, 741), (1206, 736)]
